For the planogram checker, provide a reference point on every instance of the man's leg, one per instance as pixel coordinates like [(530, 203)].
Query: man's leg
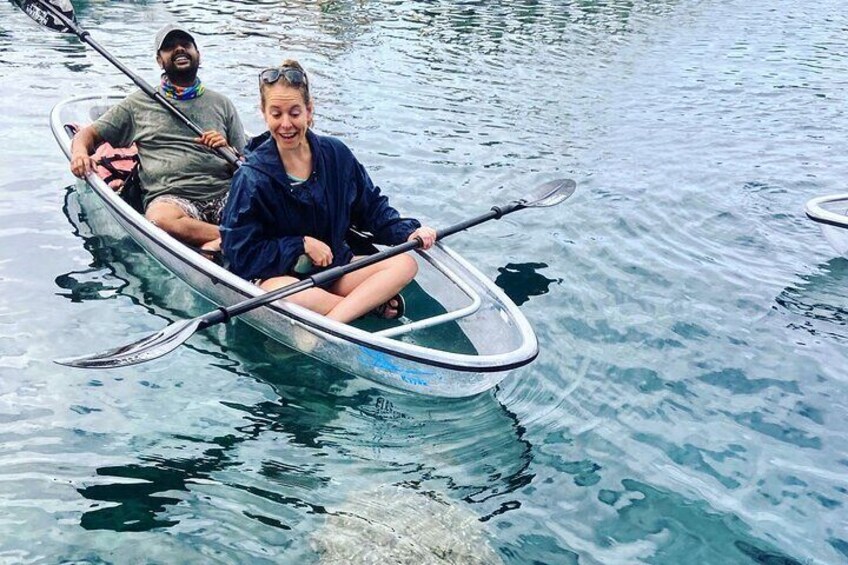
[(175, 216)]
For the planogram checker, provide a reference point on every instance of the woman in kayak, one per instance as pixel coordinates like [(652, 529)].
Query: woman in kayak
[(293, 201)]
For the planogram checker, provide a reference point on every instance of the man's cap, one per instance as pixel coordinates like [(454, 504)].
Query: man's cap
[(163, 34)]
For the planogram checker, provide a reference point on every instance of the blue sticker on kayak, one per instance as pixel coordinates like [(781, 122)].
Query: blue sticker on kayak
[(385, 362)]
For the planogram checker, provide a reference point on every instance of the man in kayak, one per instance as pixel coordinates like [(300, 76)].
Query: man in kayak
[(295, 199), (184, 181)]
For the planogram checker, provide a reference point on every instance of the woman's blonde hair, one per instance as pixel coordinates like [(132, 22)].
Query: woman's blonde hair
[(303, 87)]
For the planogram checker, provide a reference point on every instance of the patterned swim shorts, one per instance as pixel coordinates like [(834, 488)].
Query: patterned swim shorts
[(208, 211)]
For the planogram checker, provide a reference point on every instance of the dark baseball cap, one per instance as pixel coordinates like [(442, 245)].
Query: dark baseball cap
[(163, 34)]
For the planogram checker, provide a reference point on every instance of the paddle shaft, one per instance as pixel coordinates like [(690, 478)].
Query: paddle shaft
[(85, 36), (223, 314)]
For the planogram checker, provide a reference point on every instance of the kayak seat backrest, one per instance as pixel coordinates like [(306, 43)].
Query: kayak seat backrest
[(360, 242), (118, 167)]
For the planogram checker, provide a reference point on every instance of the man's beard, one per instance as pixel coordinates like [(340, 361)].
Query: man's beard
[(182, 76)]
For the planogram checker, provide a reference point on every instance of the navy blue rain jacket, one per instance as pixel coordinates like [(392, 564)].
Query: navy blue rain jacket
[(266, 218)]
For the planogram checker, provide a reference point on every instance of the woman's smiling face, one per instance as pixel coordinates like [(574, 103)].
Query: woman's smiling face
[(287, 115)]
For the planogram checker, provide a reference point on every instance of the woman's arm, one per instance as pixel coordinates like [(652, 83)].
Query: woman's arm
[(253, 252), (372, 211)]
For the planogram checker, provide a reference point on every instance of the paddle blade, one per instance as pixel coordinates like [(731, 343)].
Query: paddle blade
[(151, 347), (550, 194), (53, 14)]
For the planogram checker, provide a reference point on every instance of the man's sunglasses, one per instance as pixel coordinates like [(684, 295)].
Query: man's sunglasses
[(294, 77)]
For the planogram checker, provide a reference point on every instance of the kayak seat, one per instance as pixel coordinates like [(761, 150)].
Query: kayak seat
[(118, 167), (360, 242), (216, 257)]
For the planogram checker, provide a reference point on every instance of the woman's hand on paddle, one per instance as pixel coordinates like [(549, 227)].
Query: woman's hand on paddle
[(426, 234), (212, 139), (317, 251)]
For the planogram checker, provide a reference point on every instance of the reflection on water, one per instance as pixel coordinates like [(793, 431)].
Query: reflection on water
[(520, 281), (136, 503), (98, 280), (820, 300), (286, 461), (648, 511)]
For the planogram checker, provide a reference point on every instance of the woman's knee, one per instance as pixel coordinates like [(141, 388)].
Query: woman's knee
[(405, 266), (315, 299), (274, 283)]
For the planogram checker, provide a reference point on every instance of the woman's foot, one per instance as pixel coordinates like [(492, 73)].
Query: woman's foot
[(391, 309)]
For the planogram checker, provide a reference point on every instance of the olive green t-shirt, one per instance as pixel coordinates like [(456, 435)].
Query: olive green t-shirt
[(171, 162)]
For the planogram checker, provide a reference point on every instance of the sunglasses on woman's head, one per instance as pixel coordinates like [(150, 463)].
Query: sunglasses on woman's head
[(294, 77)]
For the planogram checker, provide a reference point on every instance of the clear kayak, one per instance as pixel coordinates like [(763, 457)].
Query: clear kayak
[(461, 334), (831, 214)]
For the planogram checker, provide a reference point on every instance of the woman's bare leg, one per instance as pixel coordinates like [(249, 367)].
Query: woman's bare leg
[(367, 288), (315, 299), (356, 293)]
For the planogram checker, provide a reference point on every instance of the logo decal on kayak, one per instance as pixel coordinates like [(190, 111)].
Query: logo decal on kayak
[(386, 363)]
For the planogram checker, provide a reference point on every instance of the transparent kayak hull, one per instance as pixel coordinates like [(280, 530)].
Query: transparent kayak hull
[(468, 338), (831, 214)]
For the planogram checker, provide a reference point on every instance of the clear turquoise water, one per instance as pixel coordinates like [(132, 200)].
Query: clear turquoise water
[(689, 402)]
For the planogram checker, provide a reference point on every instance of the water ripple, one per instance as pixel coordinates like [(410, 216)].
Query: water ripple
[(689, 397)]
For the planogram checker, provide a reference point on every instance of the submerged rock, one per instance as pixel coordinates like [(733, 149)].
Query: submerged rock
[(400, 525)]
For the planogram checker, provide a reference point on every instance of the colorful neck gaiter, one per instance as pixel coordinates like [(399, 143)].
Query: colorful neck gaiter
[(182, 92)]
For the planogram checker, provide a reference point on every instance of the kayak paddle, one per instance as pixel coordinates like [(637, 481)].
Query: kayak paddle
[(172, 336)]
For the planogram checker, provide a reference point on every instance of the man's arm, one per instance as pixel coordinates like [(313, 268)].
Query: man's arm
[(83, 145)]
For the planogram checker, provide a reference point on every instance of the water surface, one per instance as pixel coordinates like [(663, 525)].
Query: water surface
[(689, 401)]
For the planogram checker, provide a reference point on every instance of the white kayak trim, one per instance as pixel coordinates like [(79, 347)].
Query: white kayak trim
[(815, 210), (476, 301)]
